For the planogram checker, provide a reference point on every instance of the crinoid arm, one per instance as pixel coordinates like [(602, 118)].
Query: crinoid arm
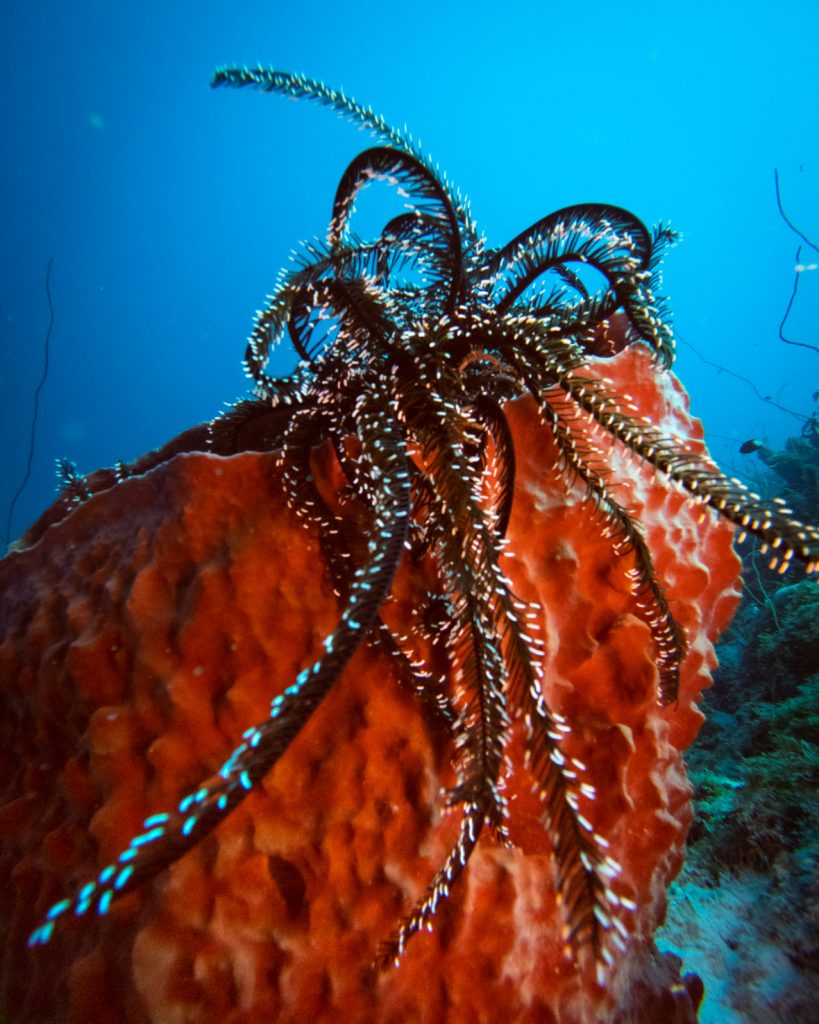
[(301, 87), (168, 835), (699, 476)]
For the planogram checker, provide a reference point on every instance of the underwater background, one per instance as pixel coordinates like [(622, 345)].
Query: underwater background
[(168, 209)]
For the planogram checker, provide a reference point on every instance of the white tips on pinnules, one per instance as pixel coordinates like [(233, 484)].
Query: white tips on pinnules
[(410, 340)]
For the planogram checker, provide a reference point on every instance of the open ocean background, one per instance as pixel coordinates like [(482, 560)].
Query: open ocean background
[(168, 208)]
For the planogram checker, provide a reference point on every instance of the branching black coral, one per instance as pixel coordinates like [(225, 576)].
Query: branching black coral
[(36, 410), (798, 270)]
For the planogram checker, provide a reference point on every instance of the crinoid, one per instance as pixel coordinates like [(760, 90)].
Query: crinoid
[(410, 344)]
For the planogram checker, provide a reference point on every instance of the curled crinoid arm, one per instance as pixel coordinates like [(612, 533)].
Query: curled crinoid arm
[(356, 311), (787, 538), (167, 836), (427, 238), (607, 238), (293, 297)]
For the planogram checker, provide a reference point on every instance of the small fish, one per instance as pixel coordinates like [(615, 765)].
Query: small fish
[(749, 446)]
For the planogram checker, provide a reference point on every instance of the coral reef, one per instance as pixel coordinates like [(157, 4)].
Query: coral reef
[(755, 839), (755, 768), (798, 466), (766, 702), (143, 632)]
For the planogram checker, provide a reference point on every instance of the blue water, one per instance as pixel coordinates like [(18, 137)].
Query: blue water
[(168, 207)]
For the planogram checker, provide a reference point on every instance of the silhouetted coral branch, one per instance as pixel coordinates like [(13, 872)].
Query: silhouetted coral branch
[(34, 415), (797, 270)]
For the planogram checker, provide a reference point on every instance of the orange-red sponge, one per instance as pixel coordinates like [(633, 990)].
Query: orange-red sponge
[(146, 631)]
